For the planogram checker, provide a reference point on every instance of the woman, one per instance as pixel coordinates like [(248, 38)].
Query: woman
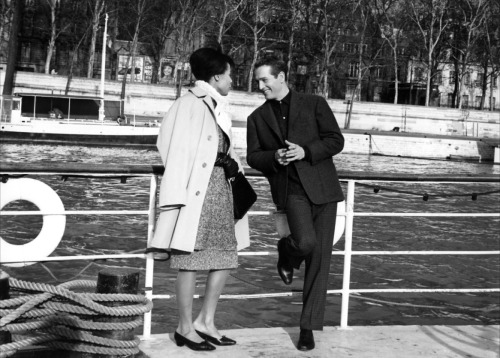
[(196, 222), (167, 73)]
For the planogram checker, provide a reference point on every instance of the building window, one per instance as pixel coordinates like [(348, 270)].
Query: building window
[(465, 101), (401, 74), (492, 103), (301, 70), (494, 81), (450, 99), (419, 74), (26, 52), (353, 69), (349, 48), (452, 78), (479, 79), (439, 78), (477, 103), (467, 79)]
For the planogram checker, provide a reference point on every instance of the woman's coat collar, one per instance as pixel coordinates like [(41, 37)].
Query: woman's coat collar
[(221, 117)]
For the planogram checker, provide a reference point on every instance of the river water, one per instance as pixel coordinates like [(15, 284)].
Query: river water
[(94, 234)]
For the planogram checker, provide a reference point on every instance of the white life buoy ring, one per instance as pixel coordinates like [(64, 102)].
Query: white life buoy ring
[(53, 227), (284, 230)]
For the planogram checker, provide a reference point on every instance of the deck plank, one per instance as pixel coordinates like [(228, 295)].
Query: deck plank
[(360, 342)]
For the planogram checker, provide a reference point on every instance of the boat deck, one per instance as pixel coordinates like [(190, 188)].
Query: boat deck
[(360, 342)]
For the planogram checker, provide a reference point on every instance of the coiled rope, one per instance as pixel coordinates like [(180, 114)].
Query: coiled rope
[(47, 317)]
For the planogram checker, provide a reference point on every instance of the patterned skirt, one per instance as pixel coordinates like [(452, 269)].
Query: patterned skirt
[(215, 247)]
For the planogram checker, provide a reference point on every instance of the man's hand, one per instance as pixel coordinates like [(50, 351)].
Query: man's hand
[(294, 152), (280, 156)]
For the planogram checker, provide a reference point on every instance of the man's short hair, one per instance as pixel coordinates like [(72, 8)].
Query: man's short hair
[(277, 65)]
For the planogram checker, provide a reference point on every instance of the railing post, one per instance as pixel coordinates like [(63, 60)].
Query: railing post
[(5, 336), (146, 331), (347, 254)]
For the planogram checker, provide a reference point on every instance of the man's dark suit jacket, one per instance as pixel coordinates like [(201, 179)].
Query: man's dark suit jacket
[(311, 125)]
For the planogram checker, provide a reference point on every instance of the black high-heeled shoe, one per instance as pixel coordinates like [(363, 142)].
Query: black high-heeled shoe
[(202, 346), (224, 341)]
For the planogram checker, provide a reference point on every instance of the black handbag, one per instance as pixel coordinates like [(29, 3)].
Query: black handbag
[(243, 195)]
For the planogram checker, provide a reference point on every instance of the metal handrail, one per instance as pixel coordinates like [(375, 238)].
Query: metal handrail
[(106, 172)]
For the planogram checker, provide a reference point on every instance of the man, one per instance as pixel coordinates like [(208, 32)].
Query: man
[(291, 139)]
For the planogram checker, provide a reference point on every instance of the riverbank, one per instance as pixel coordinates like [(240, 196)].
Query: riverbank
[(152, 101), (408, 145), (357, 141), (373, 128)]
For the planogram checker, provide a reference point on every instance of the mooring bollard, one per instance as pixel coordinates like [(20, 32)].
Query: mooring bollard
[(5, 336), (114, 280)]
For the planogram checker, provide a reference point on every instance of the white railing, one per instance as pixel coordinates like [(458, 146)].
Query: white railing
[(79, 170)]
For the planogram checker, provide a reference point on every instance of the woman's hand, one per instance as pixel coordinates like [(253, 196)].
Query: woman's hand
[(230, 167)]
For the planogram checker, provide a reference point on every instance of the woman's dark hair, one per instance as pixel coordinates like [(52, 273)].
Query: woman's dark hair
[(207, 62), (277, 65)]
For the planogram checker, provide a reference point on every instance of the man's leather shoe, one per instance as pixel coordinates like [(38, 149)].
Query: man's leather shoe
[(285, 270), (306, 340)]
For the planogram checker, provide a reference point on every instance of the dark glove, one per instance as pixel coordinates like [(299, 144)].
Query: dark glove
[(230, 167)]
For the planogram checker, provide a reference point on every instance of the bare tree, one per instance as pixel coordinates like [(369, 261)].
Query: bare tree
[(13, 41), (330, 21), (73, 59), (431, 19), (159, 28), (293, 27), (491, 44), (96, 10), (54, 6), (187, 25), (392, 23), (6, 12), (225, 17), (251, 17), (471, 16), (139, 14), (366, 33)]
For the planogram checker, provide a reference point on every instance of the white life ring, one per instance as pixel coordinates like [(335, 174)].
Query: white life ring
[(284, 230), (53, 227)]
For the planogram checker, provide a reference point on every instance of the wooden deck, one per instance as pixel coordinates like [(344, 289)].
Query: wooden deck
[(359, 342)]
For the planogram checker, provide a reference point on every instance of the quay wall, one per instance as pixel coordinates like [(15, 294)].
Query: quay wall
[(421, 146), (147, 100)]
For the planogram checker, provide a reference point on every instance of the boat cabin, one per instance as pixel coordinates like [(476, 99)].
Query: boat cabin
[(31, 106)]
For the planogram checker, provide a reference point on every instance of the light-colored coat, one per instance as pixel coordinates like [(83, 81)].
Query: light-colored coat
[(188, 143)]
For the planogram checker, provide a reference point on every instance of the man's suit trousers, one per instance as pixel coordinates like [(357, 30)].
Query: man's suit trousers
[(312, 228)]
